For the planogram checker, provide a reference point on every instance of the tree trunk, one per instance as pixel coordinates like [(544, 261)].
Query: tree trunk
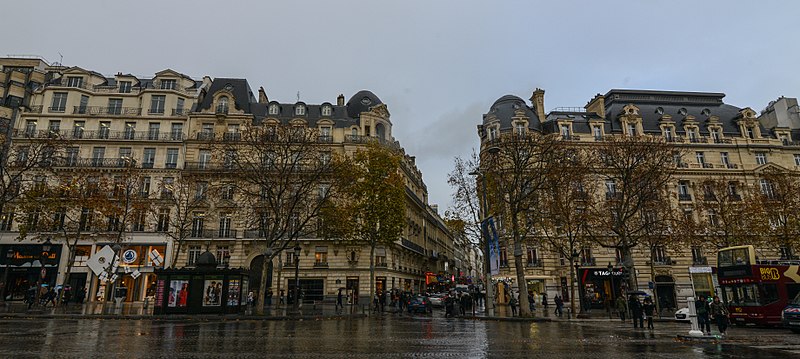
[(524, 305), (573, 277), (262, 291), (68, 270), (176, 253), (655, 288), (371, 274)]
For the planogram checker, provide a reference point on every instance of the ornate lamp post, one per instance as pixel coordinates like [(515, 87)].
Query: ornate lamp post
[(576, 279), (295, 295), (9, 256), (268, 263), (46, 246)]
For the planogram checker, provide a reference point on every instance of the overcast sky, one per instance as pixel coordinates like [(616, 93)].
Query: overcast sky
[(438, 65)]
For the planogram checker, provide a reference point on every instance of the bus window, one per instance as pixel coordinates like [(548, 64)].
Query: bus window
[(744, 295), (769, 294), (736, 256)]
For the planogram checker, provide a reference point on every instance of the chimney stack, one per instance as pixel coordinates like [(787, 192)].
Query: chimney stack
[(340, 100), (262, 95), (537, 100)]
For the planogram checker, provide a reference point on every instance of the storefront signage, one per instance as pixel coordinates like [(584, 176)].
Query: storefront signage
[(769, 273), (160, 293), (605, 272), (700, 270), (129, 256), (28, 253)]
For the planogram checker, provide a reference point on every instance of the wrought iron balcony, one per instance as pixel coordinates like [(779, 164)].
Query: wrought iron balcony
[(205, 136), (684, 197), (180, 111), (325, 139), (322, 265), (94, 162), (107, 111), (231, 136), (212, 233)]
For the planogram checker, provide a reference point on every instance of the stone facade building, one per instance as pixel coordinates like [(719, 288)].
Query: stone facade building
[(161, 125), (717, 140)]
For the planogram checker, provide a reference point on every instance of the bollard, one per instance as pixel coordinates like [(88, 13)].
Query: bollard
[(695, 331)]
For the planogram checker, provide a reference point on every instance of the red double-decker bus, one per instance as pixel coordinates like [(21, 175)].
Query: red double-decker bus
[(756, 291)]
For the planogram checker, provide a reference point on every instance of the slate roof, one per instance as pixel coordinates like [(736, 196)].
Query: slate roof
[(505, 107), (242, 93), (654, 104)]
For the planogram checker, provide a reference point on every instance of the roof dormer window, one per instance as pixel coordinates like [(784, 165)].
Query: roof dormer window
[(74, 81), (222, 104), (299, 110), (168, 84), (273, 109), (326, 110)]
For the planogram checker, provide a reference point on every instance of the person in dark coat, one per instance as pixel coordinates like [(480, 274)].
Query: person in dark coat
[(636, 311), (649, 309), (702, 310)]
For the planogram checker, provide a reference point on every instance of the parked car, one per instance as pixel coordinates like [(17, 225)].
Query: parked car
[(419, 304), (682, 315), (790, 316), (437, 300)]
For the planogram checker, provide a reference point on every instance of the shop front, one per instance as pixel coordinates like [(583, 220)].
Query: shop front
[(600, 287), (136, 272), (204, 289), (26, 265)]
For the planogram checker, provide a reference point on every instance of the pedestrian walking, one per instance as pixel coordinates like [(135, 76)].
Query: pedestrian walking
[(339, 304), (448, 306), (648, 308), (719, 312), (702, 309), (513, 303), (544, 301), (636, 311), (559, 306), (622, 309), (281, 300), (531, 301)]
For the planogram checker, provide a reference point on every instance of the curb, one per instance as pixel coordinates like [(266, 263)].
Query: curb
[(179, 317)]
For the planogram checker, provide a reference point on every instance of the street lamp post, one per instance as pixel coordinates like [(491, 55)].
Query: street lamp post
[(576, 279), (295, 295), (9, 255), (611, 296), (43, 273), (268, 263), (489, 287)]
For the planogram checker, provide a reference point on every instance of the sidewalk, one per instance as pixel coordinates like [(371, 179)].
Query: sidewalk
[(98, 310)]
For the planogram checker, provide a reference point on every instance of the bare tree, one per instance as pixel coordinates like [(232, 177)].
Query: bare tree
[(283, 178), (174, 209), (779, 204), (564, 211), (69, 209), (728, 213), (371, 203), (519, 169), (635, 170)]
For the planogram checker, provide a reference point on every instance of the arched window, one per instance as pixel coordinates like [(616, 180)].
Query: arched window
[(273, 109), (326, 110), (380, 131), (299, 110), (222, 104)]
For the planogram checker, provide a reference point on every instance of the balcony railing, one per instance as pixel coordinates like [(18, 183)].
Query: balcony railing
[(325, 139), (231, 136), (322, 265), (93, 162), (205, 136), (534, 264), (99, 134), (684, 197), (208, 166), (107, 111), (180, 111), (213, 233)]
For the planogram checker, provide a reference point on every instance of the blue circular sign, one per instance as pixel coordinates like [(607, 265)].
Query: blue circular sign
[(129, 256)]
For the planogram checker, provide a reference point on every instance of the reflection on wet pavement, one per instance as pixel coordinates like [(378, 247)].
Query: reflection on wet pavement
[(386, 337)]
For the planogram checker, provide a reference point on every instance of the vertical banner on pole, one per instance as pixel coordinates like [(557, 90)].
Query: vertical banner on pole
[(494, 245)]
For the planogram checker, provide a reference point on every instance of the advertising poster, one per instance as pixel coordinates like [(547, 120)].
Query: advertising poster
[(233, 291), (494, 246), (178, 293), (245, 287), (160, 293), (212, 292)]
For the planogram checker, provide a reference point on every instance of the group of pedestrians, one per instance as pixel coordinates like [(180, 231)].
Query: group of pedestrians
[(48, 296), (706, 312), (640, 311)]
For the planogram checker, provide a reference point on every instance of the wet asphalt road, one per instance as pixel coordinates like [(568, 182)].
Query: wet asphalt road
[(385, 337)]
